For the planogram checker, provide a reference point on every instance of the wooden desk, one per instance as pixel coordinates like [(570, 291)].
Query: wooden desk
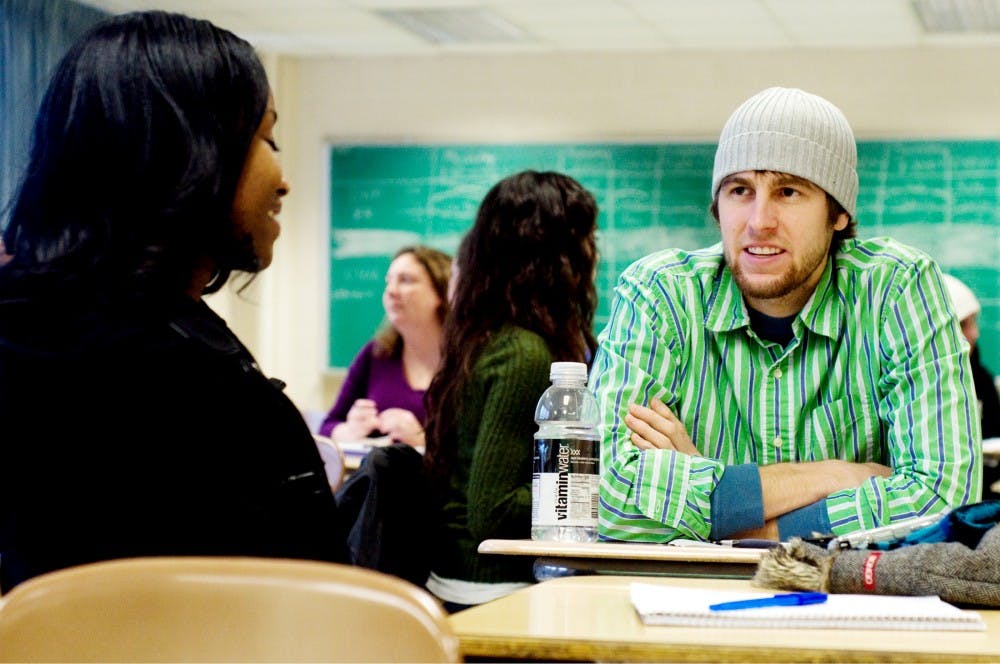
[(591, 618), (352, 461), (355, 451), (633, 558)]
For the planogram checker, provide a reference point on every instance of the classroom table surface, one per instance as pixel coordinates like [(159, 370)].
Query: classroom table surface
[(707, 560), (622, 550), (591, 618), (355, 451)]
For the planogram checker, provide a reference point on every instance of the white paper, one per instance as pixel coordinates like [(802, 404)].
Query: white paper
[(688, 607), (363, 446)]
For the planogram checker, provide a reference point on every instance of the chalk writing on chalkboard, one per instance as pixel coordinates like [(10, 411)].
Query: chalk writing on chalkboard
[(940, 196)]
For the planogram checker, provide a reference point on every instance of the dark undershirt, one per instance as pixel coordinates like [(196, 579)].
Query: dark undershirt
[(769, 328)]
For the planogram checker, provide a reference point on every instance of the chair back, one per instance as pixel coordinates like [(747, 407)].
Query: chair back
[(222, 609), (333, 460)]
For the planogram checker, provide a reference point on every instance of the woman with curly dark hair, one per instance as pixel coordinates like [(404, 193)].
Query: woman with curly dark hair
[(134, 421), (523, 298)]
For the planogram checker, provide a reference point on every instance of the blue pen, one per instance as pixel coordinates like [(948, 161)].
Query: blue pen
[(788, 599)]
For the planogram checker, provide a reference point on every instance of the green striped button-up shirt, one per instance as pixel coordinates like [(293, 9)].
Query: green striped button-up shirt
[(877, 371)]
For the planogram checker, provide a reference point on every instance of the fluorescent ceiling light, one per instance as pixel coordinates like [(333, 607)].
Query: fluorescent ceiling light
[(456, 26), (958, 15)]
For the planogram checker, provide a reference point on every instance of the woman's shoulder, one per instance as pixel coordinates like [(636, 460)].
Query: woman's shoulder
[(54, 326), (364, 357), (522, 340), (515, 362), (368, 350), (516, 349)]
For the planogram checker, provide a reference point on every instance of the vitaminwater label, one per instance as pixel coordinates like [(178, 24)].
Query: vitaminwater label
[(565, 481)]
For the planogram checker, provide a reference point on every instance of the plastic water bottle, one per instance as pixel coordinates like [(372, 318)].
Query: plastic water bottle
[(566, 468)]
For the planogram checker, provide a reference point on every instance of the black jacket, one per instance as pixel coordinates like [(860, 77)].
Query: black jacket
[(986, 391), (131, 432)]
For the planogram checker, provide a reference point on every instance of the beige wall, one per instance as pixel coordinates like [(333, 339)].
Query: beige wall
[(644, 97)]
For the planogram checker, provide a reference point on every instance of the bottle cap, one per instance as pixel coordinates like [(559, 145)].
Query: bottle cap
[(568, 370)]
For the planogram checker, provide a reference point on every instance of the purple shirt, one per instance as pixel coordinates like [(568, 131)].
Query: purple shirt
[(380, 379)]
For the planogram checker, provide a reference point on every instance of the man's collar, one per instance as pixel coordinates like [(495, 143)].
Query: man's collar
[(821, 314), (725, 311)]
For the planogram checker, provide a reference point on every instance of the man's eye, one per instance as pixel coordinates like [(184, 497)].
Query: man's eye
[(274, 146)]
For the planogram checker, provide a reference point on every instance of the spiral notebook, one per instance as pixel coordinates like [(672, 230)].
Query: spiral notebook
[(688, 607)]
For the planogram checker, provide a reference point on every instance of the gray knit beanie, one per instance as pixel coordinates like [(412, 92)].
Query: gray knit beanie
[(791, 131)]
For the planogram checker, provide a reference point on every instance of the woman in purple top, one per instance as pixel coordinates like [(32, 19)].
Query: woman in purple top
[(383, 393)]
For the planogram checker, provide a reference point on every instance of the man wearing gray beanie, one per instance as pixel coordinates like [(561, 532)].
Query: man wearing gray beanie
[(791, 380)]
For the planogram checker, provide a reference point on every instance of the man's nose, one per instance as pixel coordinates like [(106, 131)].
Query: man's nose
[(763, 214)]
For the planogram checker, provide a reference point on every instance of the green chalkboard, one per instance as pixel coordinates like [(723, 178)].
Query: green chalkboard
[(940, 196)]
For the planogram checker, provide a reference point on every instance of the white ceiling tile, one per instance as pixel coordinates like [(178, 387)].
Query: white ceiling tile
[(353, 27), (715, 12), (584, 35), (823, 23), (335, 23), (497, 49), (320, 46), (720, 23), (411, 4), (553, 12)]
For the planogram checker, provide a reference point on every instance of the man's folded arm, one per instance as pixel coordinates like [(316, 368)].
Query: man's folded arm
[(784, 499)]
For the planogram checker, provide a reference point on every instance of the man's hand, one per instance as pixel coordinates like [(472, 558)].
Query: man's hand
[(657, 427)]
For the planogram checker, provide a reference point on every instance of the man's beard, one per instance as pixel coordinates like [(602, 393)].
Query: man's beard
[(779, 285), (782, 284)]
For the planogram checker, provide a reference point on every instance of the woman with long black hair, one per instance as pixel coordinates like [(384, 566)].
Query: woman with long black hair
[(134, 421)]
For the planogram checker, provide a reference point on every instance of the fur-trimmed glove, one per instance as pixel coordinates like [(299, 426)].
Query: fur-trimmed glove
[(962, 572)]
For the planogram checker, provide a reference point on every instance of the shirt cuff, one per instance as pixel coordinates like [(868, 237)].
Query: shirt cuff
[(806, 521), (737, 502)]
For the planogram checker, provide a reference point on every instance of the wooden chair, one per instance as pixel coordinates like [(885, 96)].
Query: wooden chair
[(333, 460), (222, 609)]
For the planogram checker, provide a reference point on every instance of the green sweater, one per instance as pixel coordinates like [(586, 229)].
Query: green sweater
[(489, 493)]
